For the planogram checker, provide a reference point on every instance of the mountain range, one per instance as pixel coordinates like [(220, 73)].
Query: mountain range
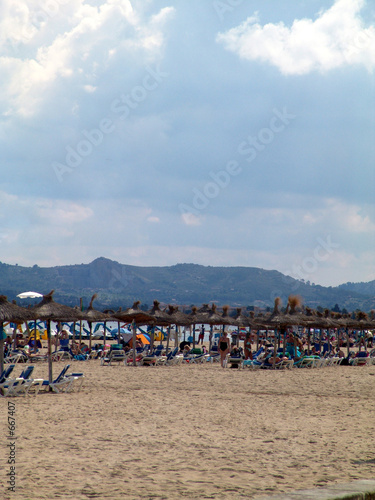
[(183, 284)]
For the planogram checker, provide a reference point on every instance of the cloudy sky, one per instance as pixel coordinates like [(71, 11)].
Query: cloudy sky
[(156, 132)]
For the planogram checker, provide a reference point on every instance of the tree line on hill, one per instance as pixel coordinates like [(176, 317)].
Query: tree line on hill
[(183, 284)]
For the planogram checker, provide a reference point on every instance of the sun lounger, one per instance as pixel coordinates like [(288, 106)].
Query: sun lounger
[(234, 361), (61, 355), (361, 359), (14, 387), (21, 384), (213, 357), (214, 354), (78, 379), (5, 377), (169, 358), (62, 383), (252, 364), (16, 357), (114, 356), (334, 361), (152, 359), (6, 373), (285, 364), (307, 362), (35, 358), (194, 358)]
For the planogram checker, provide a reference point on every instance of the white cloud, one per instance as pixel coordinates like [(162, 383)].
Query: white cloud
[(62, 213), (90, 88), (348, 217), (337, 37), (153, 219), (78, 42), (190, 219)]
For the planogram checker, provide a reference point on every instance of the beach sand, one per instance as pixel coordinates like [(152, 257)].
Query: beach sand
[(192, 431)]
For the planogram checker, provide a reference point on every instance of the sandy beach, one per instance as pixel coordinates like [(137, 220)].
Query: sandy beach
[(192, 431)]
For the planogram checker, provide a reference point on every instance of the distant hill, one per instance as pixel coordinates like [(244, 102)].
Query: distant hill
[(361, 288), (185, 284)]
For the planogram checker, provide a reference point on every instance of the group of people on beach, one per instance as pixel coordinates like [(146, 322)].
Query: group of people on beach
[(288, 344), (294, 347)]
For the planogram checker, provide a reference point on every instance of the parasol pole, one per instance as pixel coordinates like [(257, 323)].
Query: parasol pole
[(104, 336), (347, 341), (80, 334), (320, 340), (90, 338), (80, 323), (35, 333), (308, 341), (210, 337), (14, 338), (284, 340), (35, 349), (118, 331), (275, 347), (49, 351), (168, 336), (134, 328), (152, 338), (2, 338)]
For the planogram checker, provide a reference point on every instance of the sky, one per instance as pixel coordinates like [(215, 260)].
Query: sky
[(221, 133)]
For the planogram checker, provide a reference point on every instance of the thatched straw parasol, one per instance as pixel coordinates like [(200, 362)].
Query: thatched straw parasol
[(323, 320), (195, 317), (277, 321), (134, 313), (94, 316), (244, 321), (159, 318), (294, 311), (214, 318), (362, 321), (136, 316), (177, 318), (359, 322), (48, 310), (13, 313), (226, 319)]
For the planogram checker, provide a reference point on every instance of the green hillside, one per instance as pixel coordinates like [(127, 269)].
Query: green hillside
[(119, 285)]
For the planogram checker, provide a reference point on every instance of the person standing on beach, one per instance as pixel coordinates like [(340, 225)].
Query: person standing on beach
[(201, 335), (247, 345), (224, 346)]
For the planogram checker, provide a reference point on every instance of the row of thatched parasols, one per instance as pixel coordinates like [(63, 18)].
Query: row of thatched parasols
[(48, 310)]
